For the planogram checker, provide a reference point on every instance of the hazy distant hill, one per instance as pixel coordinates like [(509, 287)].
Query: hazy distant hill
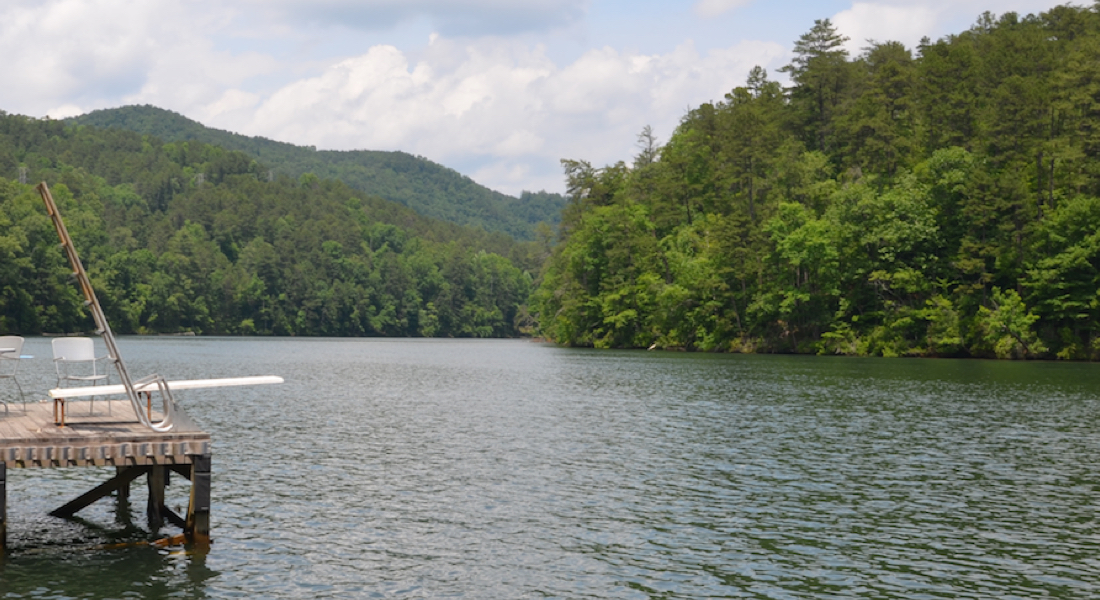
[(429, 188)]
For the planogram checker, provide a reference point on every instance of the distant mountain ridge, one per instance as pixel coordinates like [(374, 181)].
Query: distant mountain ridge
[(429, 188)]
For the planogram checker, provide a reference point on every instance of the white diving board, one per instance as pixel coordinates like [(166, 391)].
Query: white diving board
[(186, 384)]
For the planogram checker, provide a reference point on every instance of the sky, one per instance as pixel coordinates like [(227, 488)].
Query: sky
[(499, 90)]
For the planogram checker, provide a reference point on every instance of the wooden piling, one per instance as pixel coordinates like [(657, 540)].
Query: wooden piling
[(154, 508), (122, 500), (198, 509)]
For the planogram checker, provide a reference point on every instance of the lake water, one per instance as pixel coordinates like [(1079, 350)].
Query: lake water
[(512, 469)]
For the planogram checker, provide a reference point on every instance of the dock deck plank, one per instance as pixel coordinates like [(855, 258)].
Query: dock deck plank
[(30, 439)]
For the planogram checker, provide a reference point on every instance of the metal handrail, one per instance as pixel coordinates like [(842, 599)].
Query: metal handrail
[(103, 328)]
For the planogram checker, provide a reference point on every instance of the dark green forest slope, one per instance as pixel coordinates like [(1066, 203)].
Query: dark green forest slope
[(940, 201), (192, 237), (426, 187)]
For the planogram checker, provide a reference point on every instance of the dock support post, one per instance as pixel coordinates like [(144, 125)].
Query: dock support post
[(197, 527), (154, 510), (122, 499), (3, 508)]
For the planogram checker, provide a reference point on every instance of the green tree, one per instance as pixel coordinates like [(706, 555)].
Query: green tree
[(1006, 328), (822, 76)]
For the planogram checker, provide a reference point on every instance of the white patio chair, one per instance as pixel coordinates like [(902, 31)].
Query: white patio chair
[(76, 362), (11, 347)]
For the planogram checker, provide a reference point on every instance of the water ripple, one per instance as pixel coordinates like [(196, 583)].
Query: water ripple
[(507, 469)]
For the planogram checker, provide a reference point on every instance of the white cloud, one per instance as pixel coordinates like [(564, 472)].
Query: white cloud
[(714, 8), (232, 101), (64, 57), (512, 174), (67, 49), (64, 111), (866, 22), (503, 110), (907, 22), (518, 143)]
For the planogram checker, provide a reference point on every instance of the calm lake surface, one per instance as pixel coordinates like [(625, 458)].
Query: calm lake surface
[(512, 469)]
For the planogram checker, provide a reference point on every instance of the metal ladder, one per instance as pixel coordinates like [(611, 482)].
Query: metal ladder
[(103, 328)]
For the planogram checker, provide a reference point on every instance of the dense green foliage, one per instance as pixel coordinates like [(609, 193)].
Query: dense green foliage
[(940, 203), (426, 187), (192, 237)]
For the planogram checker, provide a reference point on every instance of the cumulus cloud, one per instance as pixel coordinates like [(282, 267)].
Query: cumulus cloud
[(67, 49), (865, 22), (65, 57), (449, 17), (504, 111), (714, 8), (907, 22)]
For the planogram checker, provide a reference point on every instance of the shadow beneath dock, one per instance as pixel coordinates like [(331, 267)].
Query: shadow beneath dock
[(98, 572)]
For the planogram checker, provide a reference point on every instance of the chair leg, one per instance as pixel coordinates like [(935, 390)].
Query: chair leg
[(5, 399), (22, 396)]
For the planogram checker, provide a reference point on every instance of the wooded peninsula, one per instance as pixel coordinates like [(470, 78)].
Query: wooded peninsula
[(936, 201), (941, 201)]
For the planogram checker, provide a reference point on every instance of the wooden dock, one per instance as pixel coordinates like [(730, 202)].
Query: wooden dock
[(107, 434)]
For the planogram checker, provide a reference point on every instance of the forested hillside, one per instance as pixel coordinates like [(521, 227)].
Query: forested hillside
[(426, 187), (936, 201), (192, 237)]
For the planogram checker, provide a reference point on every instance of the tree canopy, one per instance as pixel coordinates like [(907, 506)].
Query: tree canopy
[(936, 201), (424, 186), (186, 236)]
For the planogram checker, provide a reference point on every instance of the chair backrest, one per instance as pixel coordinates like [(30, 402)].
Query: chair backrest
[(12, 341), (73, 349), (10, 362)]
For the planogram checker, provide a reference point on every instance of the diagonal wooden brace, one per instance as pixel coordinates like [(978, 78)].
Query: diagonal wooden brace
[(122, 478)]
